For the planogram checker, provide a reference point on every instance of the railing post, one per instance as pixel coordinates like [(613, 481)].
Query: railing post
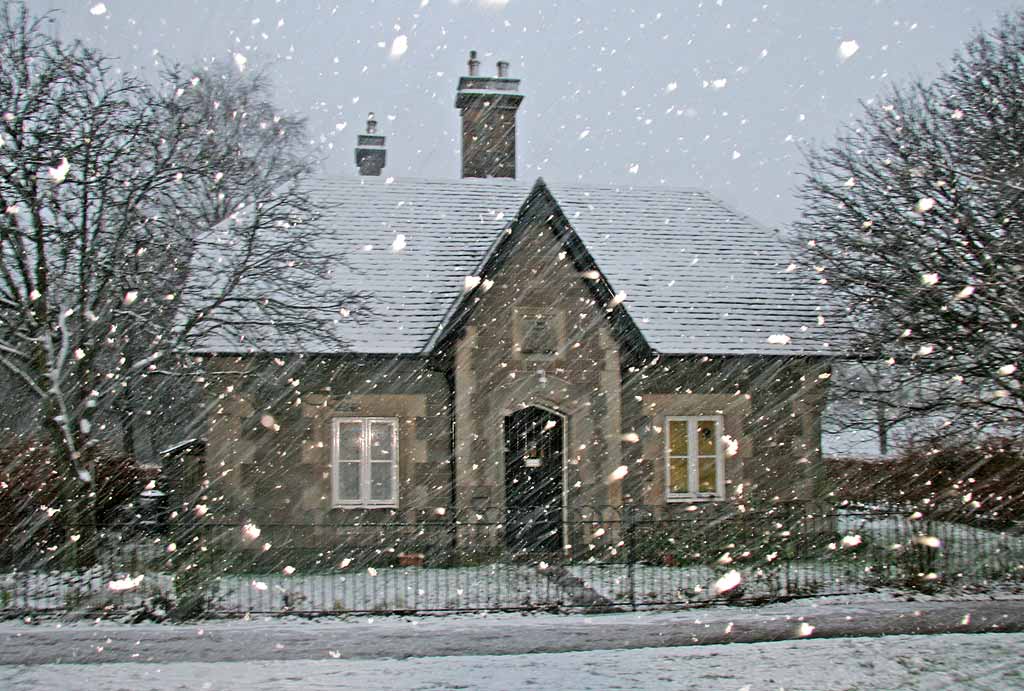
[(628, 537)]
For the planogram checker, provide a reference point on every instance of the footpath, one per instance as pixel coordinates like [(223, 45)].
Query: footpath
[(52, 641)]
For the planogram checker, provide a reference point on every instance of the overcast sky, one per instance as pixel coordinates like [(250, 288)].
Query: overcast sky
[(717, 94)]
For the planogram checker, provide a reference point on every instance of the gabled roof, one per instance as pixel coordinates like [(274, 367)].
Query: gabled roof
[(699, 278)]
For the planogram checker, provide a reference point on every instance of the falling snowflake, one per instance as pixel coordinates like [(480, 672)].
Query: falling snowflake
[(924, 205), (729, 580), (399, 244), (250, 531), (58, 174), (98, 9), (779, 339), (929, 279), (847, 49), (399, 46), (804, 630), (850, 540), (240, 61), (126, 583), (619, 473)]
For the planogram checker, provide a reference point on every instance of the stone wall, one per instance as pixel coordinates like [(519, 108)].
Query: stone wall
[(770, 407), (269, 446), (580, 381)]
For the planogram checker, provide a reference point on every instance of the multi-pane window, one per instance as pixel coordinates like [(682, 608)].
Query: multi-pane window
[(694, 464), (364, 462)]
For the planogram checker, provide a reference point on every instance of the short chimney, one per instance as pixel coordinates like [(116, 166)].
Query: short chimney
[(488, 106), (370, 152)]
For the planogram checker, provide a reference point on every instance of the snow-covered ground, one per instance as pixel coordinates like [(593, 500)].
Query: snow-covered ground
[(870, 550), (952, 661), (490, 586)]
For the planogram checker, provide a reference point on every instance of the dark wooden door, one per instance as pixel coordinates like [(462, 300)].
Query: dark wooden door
[(533, 480)]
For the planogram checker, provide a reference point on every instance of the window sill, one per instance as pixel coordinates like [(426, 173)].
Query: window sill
[(693, 498), (539, 357), (363, 505)]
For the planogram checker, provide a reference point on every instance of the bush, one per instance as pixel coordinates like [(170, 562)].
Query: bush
[(971, 482), (30, 496)]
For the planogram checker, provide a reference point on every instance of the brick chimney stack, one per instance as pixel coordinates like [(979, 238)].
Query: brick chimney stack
[(370, 152), (488, 106)]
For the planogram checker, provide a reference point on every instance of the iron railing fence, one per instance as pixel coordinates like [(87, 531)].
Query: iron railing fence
[(628, 557)]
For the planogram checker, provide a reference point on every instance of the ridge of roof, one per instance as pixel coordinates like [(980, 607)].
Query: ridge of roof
[(509, 183), (700, 277)]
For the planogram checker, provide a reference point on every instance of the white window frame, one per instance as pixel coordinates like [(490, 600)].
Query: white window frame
[(364, 501), (693, 467)]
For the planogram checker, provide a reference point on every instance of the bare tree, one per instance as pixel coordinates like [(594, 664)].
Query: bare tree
[(137, 222), (914, 219)]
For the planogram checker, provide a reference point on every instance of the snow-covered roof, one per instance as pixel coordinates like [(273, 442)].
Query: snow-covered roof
[(699, 277)]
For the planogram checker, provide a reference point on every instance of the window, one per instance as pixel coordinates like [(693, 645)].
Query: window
[(694, 463), (364, 462)]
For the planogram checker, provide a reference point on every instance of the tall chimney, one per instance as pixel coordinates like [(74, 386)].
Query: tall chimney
[(370, 152), (488, 106)]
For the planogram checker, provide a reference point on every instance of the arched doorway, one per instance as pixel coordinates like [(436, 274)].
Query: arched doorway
[(534, 449)]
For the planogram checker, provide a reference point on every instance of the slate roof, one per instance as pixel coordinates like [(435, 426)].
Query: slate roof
[(699, 277)]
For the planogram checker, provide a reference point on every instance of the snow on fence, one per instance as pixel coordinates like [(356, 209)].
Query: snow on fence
[(614, 558)]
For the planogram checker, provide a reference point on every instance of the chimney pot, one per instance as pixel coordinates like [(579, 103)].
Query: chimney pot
[(502, 69), (474, 64)]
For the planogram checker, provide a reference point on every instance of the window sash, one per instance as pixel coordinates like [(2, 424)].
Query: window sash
[(368, 459), (693, 458)]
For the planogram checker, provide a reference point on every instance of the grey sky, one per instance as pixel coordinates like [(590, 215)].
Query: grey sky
[(752, 79)]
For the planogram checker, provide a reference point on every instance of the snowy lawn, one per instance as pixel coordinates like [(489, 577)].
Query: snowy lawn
[(493, 586), (968, 661), (870, 551), (695, 584)]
